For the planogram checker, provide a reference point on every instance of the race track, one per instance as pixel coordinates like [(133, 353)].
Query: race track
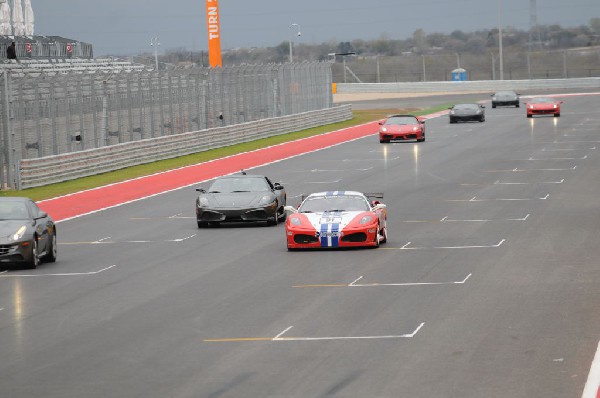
[(488, 286)]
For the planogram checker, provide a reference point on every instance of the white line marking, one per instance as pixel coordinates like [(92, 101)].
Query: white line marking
[(3, 272), (2, 309), (323, 182), (282, 333), (330, 170), (176, 215), (488, 220), (522, 170), (592, 385), (444, 219), (585, 157), (410, 283), (445, 247), (182, 239), (64, 274), (367, 160), (357, 279), (103, 239), (410, 335), (496, 199), (516, 183)]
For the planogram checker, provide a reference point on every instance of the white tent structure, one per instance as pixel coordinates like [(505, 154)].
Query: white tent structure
[(29, 19), (5, 25), (17, 17)]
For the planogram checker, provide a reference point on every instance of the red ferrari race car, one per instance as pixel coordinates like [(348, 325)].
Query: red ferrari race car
[(337, 219), (543, 106), (402, 127)]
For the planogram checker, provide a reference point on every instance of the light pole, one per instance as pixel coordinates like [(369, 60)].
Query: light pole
[(155, 42), (500, 61), (297, 34)]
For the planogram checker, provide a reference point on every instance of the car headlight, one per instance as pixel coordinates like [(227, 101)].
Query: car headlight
[(479, 112), (383, 129), (415, 128), (555, 106), (19, 234), (366, 219), (265, 200), (530, 106), (295, 221), (203, 201), (493, 98), (452, 112)]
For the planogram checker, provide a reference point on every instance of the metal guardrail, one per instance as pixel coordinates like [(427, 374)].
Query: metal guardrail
[(63, 167), (467, 86)]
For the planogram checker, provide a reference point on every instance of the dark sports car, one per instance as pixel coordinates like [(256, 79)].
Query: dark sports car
[(505, 98), (467, 112), (27, 234), (239, 198)]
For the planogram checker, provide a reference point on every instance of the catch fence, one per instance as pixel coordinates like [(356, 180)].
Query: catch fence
[(47, 114)]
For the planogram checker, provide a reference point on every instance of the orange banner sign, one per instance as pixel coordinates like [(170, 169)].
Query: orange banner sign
[(214, 33)]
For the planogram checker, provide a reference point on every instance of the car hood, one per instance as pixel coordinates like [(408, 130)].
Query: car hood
[(543, 106), (399, 128), (322, 221), (466, 112), (235, 199), (505, 97), (9, 227)]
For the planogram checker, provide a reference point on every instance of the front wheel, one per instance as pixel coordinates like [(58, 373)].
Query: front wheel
[(557, 114), (529, 115), (52, 251), (35, 260)]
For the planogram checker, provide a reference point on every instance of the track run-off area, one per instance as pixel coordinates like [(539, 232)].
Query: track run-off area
[(488, 286)]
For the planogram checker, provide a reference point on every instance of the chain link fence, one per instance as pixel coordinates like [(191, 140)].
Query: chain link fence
[(574, 63), (47, 114)]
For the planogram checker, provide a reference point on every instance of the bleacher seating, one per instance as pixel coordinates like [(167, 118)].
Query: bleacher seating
[(70, 65)]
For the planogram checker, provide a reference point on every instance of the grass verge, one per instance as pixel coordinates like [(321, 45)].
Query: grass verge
[(67, 187)]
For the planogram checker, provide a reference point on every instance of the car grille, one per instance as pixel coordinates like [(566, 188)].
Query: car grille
[(304, 239), (357, 237), (4, 249)]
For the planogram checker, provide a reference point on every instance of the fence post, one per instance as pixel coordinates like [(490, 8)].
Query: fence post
[(9, 135)]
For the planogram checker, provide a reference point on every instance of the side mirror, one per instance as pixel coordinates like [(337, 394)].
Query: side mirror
[(290, 209), (379, 206), (381, 123), (278, 187), (42, 214), (483, 106), (200, 190)]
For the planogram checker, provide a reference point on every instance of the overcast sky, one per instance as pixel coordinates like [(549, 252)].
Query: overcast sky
[(126, 26)]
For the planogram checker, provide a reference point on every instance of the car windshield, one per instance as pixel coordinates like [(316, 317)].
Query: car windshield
[(319, 204), (464, 107), (13, 211), (542, 100), (241, 184), (402, 120), (506, 93)]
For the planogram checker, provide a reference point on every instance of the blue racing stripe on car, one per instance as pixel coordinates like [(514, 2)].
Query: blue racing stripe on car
[(323, 232), (335, 228)]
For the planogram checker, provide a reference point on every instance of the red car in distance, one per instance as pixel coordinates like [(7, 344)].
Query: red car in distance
[(543, 106), (401, 128)]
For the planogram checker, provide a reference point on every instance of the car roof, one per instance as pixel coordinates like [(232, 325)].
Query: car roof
[(401, 115), (336, 193), (14, 199), (241, 176)]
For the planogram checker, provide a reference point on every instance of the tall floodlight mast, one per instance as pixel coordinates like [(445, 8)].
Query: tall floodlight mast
[(535, 41)]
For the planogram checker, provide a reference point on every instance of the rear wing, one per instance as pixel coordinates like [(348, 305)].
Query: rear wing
[(374, 195)]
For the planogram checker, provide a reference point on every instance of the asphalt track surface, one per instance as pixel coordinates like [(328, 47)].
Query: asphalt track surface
[(488, 286)]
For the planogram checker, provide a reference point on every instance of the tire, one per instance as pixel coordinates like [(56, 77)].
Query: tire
[(202, 224), (518, 105), (557, 114), (384, 234), (283, 216), (52, 252), (384, 141), (452, 121), (377, 239), (493, 105), (481, 119), (529, 115), (35, 260), (421, 139), (274, 221)]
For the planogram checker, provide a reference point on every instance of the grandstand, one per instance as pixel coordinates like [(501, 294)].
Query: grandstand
[(57, 54)]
